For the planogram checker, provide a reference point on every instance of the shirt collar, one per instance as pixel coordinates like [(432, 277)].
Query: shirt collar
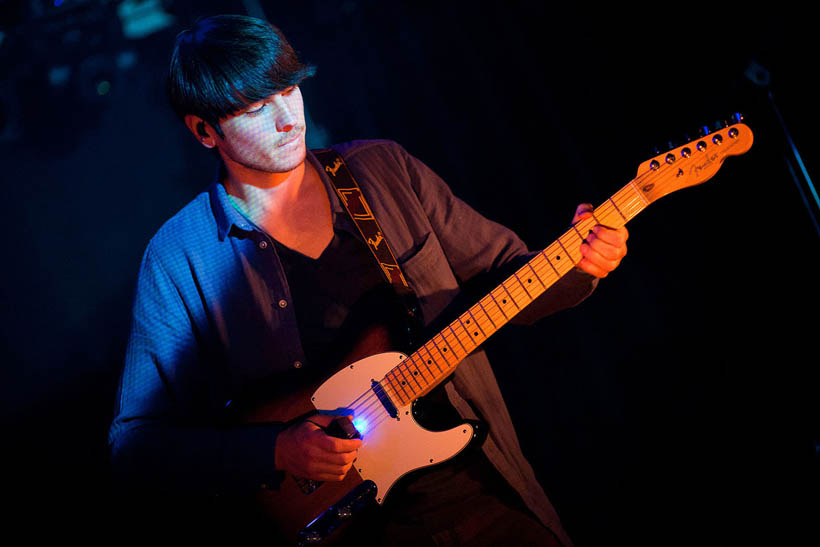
[(228, 217)]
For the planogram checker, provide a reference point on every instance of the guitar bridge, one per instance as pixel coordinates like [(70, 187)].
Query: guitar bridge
[(338, 514), (308, 486)]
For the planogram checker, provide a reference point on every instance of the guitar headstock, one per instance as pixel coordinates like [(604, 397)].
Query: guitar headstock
[(693, 163)]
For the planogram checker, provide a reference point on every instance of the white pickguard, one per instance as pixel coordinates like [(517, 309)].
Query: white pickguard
[(390, 447)]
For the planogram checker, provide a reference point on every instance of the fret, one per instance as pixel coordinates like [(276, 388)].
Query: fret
[(551, 264), (597, 220), (612, 219), (522, 286), (557, 253), (452, 351), (581, 236), (390, 389), (487, 314), (512, 297), (441, 352), (467, 332), (536, 275), (565, 250), (432, 360), (401, 383), (450, 326), (617, 209), (476, 324), (503, 287), (402, 368), (499, 307), (415, 375), (545, 271), (429, 370), (532, 290)]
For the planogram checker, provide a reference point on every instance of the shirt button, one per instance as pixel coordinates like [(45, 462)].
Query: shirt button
[(283, 303), (297, 364), (263, 244)]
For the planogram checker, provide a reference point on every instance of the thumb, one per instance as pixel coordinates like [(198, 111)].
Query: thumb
[(325, 420), (320, 420)]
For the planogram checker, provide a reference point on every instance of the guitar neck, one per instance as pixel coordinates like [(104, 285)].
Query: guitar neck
[(420, 372), (687, 165)]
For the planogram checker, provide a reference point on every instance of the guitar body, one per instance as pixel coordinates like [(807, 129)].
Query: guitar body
[(392, 445)]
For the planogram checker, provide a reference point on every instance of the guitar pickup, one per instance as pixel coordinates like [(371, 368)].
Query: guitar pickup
[(388, 405)]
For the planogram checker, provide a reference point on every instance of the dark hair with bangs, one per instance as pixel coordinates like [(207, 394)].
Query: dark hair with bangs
[(225, 63)]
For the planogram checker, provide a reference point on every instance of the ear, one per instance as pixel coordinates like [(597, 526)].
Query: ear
[(203, 132)]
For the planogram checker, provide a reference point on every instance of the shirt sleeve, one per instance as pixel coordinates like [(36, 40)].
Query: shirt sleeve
[(163, 434), (484, 251)]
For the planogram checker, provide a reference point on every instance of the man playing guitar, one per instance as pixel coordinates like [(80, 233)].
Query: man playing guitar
[(249, 292)]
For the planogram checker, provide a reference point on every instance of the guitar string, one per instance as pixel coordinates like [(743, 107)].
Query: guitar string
[(619, 205), (515, 292), (394, 394)]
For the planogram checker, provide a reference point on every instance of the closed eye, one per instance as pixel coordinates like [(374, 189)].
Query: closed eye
[(285, 92), (256, 111)]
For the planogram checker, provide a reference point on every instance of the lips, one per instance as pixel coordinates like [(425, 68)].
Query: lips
[(290, 140)]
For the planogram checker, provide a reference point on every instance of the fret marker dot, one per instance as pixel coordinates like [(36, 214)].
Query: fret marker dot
[(475, 333), (444, 350), (529, 280), (504, 301), (557, 257), (429, 362)]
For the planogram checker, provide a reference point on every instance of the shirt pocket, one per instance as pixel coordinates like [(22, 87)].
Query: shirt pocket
[(429, 275)]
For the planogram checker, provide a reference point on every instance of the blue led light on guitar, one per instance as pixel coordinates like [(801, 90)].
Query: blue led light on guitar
[(361, 425)]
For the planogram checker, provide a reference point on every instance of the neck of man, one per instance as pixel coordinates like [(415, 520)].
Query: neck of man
[(264, 196)]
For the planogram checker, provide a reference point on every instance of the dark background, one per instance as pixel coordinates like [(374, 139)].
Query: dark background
[(676, 406)]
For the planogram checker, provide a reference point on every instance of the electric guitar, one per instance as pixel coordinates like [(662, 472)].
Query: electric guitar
[(379, 389)]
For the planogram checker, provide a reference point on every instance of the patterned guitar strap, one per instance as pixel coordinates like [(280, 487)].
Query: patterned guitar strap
[(362, 215)]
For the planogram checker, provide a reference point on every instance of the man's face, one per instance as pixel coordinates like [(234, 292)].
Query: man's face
[(267, 136)]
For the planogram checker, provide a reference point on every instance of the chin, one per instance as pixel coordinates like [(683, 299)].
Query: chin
[(289, 162)]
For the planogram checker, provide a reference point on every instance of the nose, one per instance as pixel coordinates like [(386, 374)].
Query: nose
[(285, 117)]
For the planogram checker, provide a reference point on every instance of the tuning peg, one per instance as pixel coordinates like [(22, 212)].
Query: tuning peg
[(703, 130), (737, 117), (719, 125)]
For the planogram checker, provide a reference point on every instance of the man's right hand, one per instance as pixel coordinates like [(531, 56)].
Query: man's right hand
[(305, 451)]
